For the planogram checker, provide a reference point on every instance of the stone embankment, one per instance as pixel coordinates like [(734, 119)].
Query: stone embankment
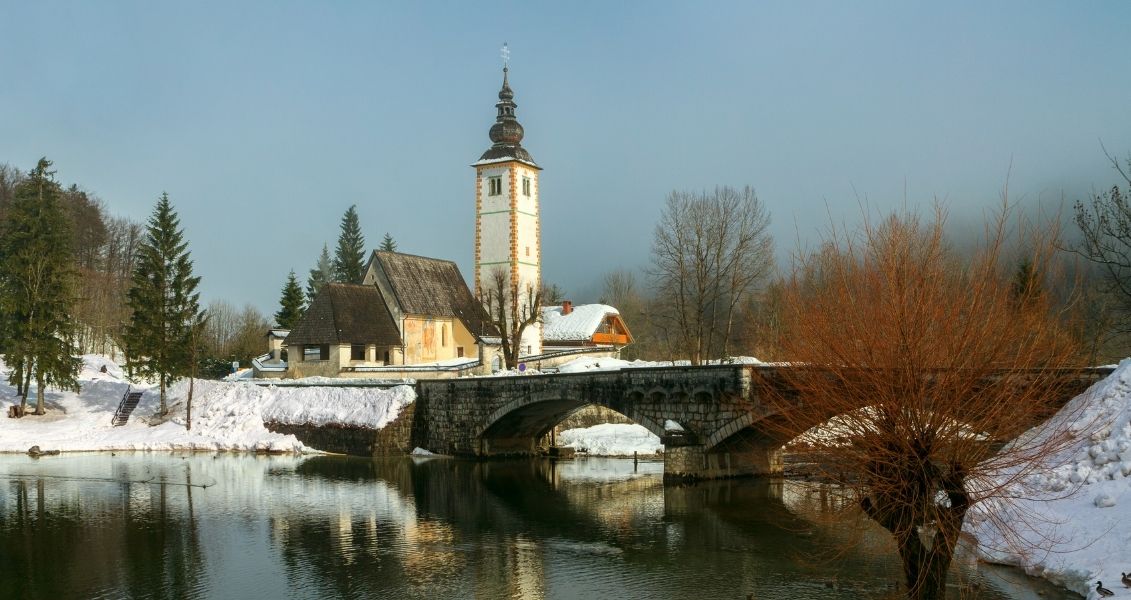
[(394, 439)]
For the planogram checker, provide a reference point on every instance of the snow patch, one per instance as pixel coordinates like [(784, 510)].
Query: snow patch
[(611, 439), (226, 415), (1080, 542)]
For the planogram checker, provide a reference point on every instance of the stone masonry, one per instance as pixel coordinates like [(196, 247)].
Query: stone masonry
[(503, 416)]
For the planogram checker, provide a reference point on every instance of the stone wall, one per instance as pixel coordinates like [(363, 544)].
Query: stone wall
[(506, 415), (393, 439)]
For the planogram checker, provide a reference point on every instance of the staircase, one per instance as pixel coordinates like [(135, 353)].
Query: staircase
[(126, 407)]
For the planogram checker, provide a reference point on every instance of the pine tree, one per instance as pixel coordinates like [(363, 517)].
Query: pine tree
[(164, 302), (1026, 284), (37, 282), (290, 304), (322, 272), (350, 254), (389, 244)]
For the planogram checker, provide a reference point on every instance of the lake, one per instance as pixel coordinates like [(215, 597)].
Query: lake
[(241, 526)]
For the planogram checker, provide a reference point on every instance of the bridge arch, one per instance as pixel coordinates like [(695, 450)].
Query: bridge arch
[(517, 425)]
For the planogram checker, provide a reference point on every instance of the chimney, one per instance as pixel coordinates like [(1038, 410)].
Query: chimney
[(567, 307)]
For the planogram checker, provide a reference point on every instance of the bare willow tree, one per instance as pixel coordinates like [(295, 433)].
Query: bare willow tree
[(925, 362), (511, 311), (709, 251)]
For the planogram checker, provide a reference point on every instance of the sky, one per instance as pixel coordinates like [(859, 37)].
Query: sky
[(265, 121)]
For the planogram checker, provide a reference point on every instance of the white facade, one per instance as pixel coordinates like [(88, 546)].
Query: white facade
[(508, 235)]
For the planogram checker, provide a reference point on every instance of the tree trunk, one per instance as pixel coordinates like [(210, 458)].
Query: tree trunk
[(39, 384), (163, 410), (924, 569), (188, 404), (19, 370), (27, 388)]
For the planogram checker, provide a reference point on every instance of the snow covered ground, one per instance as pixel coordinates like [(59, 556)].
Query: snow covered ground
[(611, 439), (226, 415), (1082, 522)]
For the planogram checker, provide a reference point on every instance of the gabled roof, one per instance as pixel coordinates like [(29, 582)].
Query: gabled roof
[(344, 313), (431, 287), (579, 325)]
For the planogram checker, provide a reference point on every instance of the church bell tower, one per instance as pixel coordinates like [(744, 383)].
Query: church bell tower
[(508, 238)]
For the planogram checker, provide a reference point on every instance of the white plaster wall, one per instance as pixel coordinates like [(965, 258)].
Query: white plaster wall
[(527, 239), (527, 203), (493, 203), (495, 238)]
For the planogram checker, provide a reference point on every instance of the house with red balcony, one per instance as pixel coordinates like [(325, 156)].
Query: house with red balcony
[(584, 326)]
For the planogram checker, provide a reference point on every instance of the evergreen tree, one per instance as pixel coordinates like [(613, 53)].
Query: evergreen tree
[(350, 254), (290, 304), (164, 302), (1026, 284), (322, 272), (37, 282), (389, 244)]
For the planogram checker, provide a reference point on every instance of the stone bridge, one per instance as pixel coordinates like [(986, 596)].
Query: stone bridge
[(718, 408)]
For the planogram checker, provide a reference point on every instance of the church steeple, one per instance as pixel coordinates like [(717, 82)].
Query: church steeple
[(508, 230), (507, 132)]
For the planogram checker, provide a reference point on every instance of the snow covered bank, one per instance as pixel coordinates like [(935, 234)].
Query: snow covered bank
[(226, 416), (1084, 536), (611, 439)]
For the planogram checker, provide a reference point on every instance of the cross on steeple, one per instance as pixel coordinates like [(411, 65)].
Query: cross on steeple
[(506, 54)]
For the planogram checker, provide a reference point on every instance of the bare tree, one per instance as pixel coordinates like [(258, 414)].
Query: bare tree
[(620, 290), (1105, 226), (10, 177), (511, 311), (229, 333), (709, 251), (925, 362)]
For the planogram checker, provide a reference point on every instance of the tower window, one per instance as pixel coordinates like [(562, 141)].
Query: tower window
[(525, 186), (494, 186)]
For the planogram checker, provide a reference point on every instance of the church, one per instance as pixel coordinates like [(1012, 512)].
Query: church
[(414, 316)]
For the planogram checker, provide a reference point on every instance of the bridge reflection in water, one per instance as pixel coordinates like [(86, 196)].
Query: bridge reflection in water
[(98, 526)]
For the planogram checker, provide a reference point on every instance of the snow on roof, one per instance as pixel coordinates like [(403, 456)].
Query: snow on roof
[(580, 324), (491, 161)]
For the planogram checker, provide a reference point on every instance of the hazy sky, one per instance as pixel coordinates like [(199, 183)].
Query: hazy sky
[(265, 121)]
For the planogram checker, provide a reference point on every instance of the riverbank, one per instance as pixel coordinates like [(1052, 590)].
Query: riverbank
[(1076, 534), (1072, 526), (227, 416)]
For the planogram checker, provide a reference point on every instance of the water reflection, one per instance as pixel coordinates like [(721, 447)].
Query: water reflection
[(198, 526)]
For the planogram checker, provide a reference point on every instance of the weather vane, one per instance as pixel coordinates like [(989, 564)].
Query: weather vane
[(506, 55)]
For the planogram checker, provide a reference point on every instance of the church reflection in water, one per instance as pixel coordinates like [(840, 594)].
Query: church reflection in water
[(194, 526)]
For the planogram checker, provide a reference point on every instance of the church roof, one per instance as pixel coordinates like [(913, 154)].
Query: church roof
[(507, 132), (345, 313), (432, 287)]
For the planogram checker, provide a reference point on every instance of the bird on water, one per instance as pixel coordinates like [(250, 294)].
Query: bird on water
[(1102, 591), (1126, 579)]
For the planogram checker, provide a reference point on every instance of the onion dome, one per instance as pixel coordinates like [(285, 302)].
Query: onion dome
[(506, 134)]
